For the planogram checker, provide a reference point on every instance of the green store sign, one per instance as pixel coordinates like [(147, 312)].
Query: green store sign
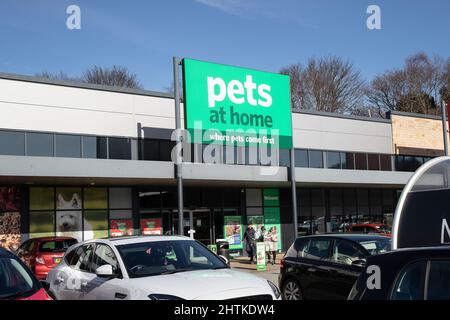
[(236, 106)]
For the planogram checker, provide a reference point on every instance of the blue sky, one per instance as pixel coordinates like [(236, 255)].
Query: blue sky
[(262, 34)]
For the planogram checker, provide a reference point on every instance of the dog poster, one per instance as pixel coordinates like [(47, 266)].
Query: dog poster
[(69, 218)]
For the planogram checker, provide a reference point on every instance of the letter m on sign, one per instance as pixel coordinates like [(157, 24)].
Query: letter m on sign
[(445, 232)]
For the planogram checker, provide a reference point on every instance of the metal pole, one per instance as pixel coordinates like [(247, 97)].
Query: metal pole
[(294, 193), (179, 159), (444, 126)]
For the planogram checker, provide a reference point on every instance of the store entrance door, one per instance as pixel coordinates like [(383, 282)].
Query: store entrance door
[(196, 224)]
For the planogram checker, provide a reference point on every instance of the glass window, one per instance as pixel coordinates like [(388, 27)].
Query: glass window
[(318, 249), (95, 198), (385, 162), (103, 255), (40, 144), (301, 158), (165, 150), (315, 159), (119, 148), (345, 252), (333, 160), (150, 199), (285, 159), (120, 214), (82, 259), (374, 161), (254, 197), (120, 198), (409, 285), (68, 146), (68, 199), (149, 149), (12, 143), (361, 161), (439, 281), (348, 160), (42, 223), (94, 147), (42, 198)]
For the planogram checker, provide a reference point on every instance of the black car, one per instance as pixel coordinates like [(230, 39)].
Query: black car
[(406, 274), (326, 267)]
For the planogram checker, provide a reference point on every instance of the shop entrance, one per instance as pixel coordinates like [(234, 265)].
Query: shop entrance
[(196, 224)]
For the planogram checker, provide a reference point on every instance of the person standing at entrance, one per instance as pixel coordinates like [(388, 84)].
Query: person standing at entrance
[(249, 239), (272, 239)]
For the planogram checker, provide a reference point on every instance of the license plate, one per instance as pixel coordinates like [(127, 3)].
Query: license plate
[(56, 260)]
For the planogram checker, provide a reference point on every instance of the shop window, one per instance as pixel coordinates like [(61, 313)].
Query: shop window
[(68, 146), (361, 161), (374, 162), (349, 197), (303, 197), (12, 143), (42, 223), (253, 197), (120, 223), (120, 198), (95, 147), (169, 198), (385, 162), (68, 199), (301, 158), (315, 159), (232, 198), (212, 197), (40, 144), (95, 224), (317, 197), (348, 160), (95, 198), (150, 199), (42, 198), (119, 148), (149, 149), (333, 160), (165, 150)]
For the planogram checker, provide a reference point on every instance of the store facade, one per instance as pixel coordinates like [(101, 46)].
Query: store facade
[(90, 161)]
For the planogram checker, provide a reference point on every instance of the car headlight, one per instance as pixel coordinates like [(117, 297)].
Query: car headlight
[(163, 297), (275, 290)]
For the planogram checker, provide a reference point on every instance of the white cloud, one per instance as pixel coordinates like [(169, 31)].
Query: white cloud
[(229, 6)]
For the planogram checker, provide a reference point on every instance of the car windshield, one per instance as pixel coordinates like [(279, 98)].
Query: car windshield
[(56, 246), (376, 246), (166, 257), (15, 281), (384, 229)]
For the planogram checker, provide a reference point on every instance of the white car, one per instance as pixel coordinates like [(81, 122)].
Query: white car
[(151, 268)]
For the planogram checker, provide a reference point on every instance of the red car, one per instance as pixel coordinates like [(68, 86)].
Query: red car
[(16, 280), (43, 254), (377, 228)]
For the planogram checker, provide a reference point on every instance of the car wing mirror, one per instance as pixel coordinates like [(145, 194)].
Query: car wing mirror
[(225, 260), (359, 263), (105, 271)]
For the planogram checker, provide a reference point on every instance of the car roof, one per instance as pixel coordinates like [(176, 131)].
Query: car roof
[(138, 239), (367, 225), (351, 236), (52, 239)]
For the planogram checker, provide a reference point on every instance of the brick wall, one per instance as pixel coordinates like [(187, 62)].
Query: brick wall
[(417, 136)]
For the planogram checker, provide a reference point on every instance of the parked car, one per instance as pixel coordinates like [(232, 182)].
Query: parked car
[(152, 268), (368, 228), (42, 254), (16, 280), (327, 266), (406, 274)]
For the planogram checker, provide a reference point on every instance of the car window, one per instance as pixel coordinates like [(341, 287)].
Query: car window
[(56, 246), (346, 252), (15, 280), (82, 258), (359, 229), (26, 247), (410, 282), (104, 255), (439, 281), (318, 249), (297, 249)]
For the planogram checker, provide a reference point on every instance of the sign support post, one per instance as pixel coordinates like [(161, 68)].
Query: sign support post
[(294, 192), (179, 137), (444, 126)]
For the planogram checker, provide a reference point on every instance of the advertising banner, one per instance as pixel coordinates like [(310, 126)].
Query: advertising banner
[(233, 231), (261, 256), (236, 106), (121, 228), (272, 215), (151, 227)]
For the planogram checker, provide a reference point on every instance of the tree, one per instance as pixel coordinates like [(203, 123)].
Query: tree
[(116, 77), (326, 84), (415, 88)]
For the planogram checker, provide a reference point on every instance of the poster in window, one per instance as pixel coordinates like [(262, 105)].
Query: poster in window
[(233, 231), (121, 228), (69, 217), (151, 226)]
